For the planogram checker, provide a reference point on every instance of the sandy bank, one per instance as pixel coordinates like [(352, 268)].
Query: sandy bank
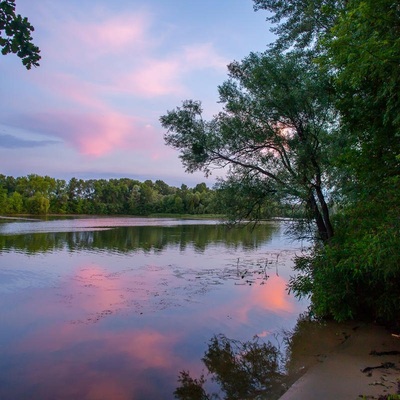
[(346, 361)]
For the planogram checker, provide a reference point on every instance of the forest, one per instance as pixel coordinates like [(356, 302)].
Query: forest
[(42, 195)]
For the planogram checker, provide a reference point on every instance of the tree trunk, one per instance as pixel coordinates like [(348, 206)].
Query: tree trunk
[(323, 231), (325, 212)]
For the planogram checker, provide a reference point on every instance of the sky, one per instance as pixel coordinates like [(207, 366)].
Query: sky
[(109, 70)]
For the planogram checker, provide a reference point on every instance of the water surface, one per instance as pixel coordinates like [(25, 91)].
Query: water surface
[(115, 308)]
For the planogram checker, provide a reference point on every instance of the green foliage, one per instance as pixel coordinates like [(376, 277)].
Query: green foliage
[(247, 199), (357, 274), (357, 43), (15, 35), (364, 47), (35, 194), (298, 22), (38, 204), (362, 53)]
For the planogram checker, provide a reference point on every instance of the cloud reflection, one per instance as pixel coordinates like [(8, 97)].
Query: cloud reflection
[(121, 324)]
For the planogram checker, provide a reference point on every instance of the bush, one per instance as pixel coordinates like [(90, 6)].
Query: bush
[(357, 275)]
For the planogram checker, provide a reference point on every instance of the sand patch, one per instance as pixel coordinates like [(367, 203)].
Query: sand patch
[(344, 361)]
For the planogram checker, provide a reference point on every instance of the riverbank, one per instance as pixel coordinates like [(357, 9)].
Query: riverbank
[(346, 362)]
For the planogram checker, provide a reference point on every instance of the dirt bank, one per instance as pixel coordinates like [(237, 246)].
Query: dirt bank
[(345, 361)]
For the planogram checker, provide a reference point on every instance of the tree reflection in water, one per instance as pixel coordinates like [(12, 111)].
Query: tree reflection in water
[(243, 370), (126, 239), (257, 370)]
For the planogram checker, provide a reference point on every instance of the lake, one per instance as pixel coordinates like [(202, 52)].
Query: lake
[(116, 308)]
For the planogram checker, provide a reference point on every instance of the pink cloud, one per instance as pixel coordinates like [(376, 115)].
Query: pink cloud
[(154, 78), (76, 91), (78, 41), (86, 121), (82, 110), (92, 134), (112, 35), (162, 77), (121, 54), (202, 56)]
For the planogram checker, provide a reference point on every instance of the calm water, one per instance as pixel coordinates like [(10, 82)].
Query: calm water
[(115, 308)]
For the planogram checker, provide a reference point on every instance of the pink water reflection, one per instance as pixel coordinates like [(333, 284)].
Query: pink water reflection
[(122, 327), (270, 297), (95, 364)]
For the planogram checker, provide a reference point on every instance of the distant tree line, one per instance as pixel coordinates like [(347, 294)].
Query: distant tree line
[(42, 195), (34, 194)]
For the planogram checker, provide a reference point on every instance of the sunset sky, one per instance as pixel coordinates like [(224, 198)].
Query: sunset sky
[(109, 70)]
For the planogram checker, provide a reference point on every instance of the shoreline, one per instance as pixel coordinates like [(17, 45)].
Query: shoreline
[(346, 361)]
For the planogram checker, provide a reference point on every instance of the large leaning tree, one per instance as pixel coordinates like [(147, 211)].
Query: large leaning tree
[(15, 35), (276, 120)]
